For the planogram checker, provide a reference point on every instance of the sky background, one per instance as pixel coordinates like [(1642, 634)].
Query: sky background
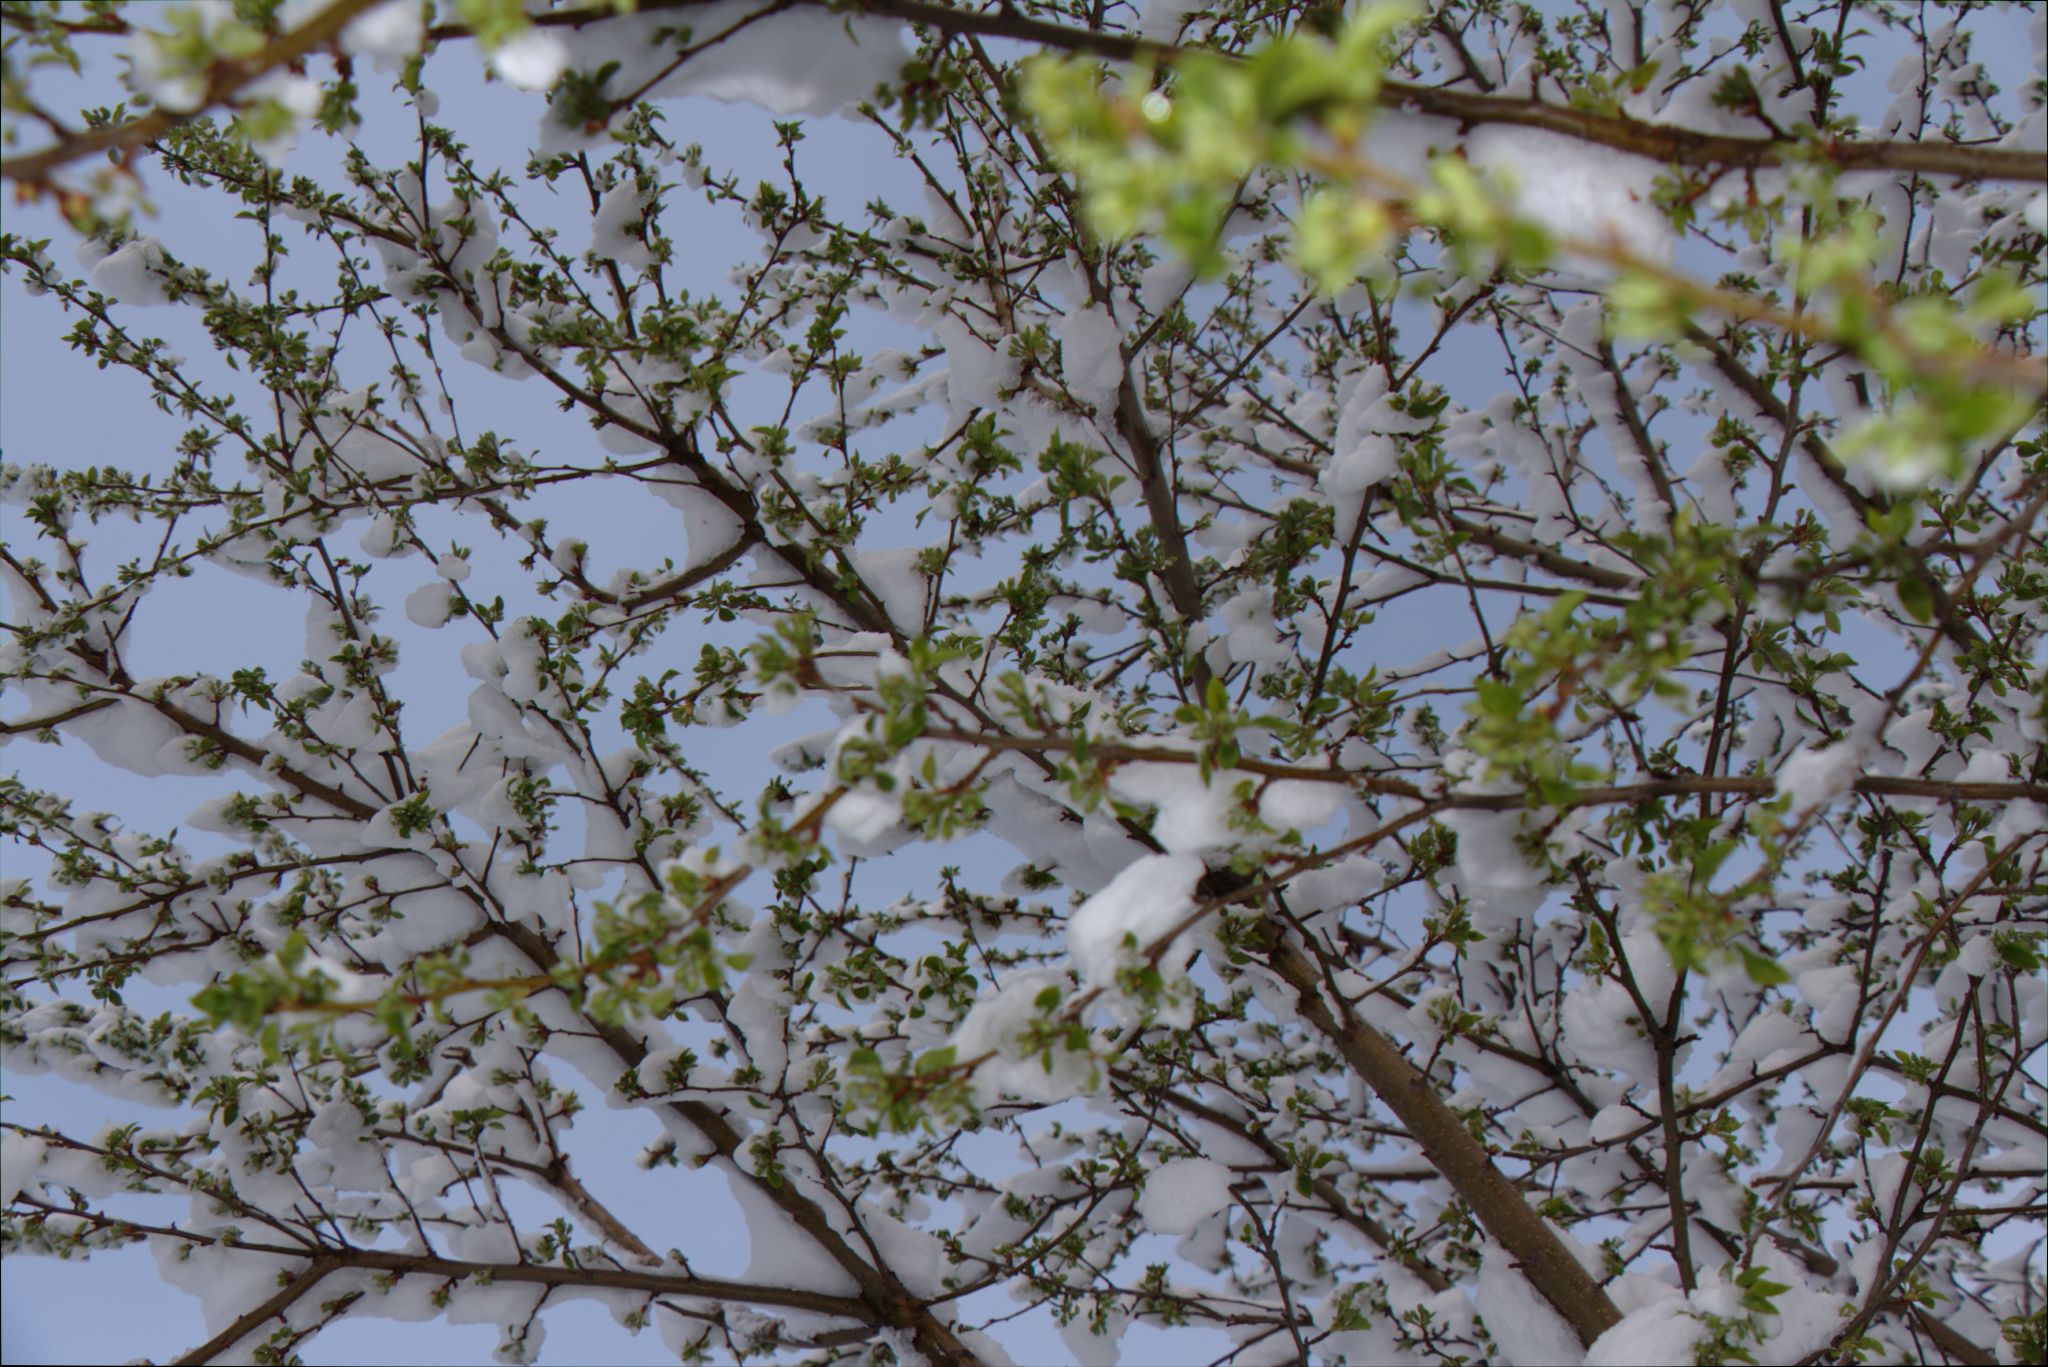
[(57, 407)]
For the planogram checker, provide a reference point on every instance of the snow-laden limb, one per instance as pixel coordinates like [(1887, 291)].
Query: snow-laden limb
[(1812, 777), (789, 60), (388, 32)]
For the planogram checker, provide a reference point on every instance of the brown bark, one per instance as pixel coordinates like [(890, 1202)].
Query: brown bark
[(1496, 1203), (227, 79), (1660, 142)]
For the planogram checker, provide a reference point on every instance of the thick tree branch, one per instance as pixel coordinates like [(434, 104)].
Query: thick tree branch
[(1591, 795), (1659, 142), (531, 1274), (246, 1324), (228, 78), (1441, 1134), (1162, 507), (1946, 1338)]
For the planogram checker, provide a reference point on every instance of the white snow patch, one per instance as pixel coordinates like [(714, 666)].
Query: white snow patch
[(802, 62), (1502, 884), (431, 604), (532, 61), (1813, 778), (863, 818), (976, 373), (779, 1252), (615, 230), (389, 34), (709, 527), (1604, 1029), (1144, 902), (998, 1024), (1365, 453), (1091, 359), (897, 584), (1193, 816), (20, 1156), (1181, 1194), (1341, 884), (1577, 190), (1298, 804), (1529, 1332), (133, 274), (1654, 1336)]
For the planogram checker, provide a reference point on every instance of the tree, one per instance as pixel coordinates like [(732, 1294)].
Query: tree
[(1458, 591)]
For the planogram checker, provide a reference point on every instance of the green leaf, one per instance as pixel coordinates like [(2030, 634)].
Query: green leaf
[(1763, 971), (1917, 598)]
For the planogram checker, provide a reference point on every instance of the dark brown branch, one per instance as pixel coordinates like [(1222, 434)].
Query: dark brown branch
[(1947, 1339), (1547, 558), (1161, 506), (426, 1265), (1669, 143), (1598, 795), (1440, 1132), (28, 724), (228, 78), (624, 1279), (249, 1323), (1659, 142)]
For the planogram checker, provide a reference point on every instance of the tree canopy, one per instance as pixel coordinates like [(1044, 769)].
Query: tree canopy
[(1322, 684)]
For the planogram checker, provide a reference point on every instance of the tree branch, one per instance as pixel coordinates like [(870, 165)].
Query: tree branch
[(312, 1275), (1659, 142), (228, 77), (1540, 1253)]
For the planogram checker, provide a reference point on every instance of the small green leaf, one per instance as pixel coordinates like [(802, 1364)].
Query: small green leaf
[(1763, 971)]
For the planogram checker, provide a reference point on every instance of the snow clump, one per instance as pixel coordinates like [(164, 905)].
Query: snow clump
[(1812, 778), (1182, 1194), (1141, 905)]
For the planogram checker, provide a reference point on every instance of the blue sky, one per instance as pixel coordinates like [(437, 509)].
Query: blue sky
[(57, 408)]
